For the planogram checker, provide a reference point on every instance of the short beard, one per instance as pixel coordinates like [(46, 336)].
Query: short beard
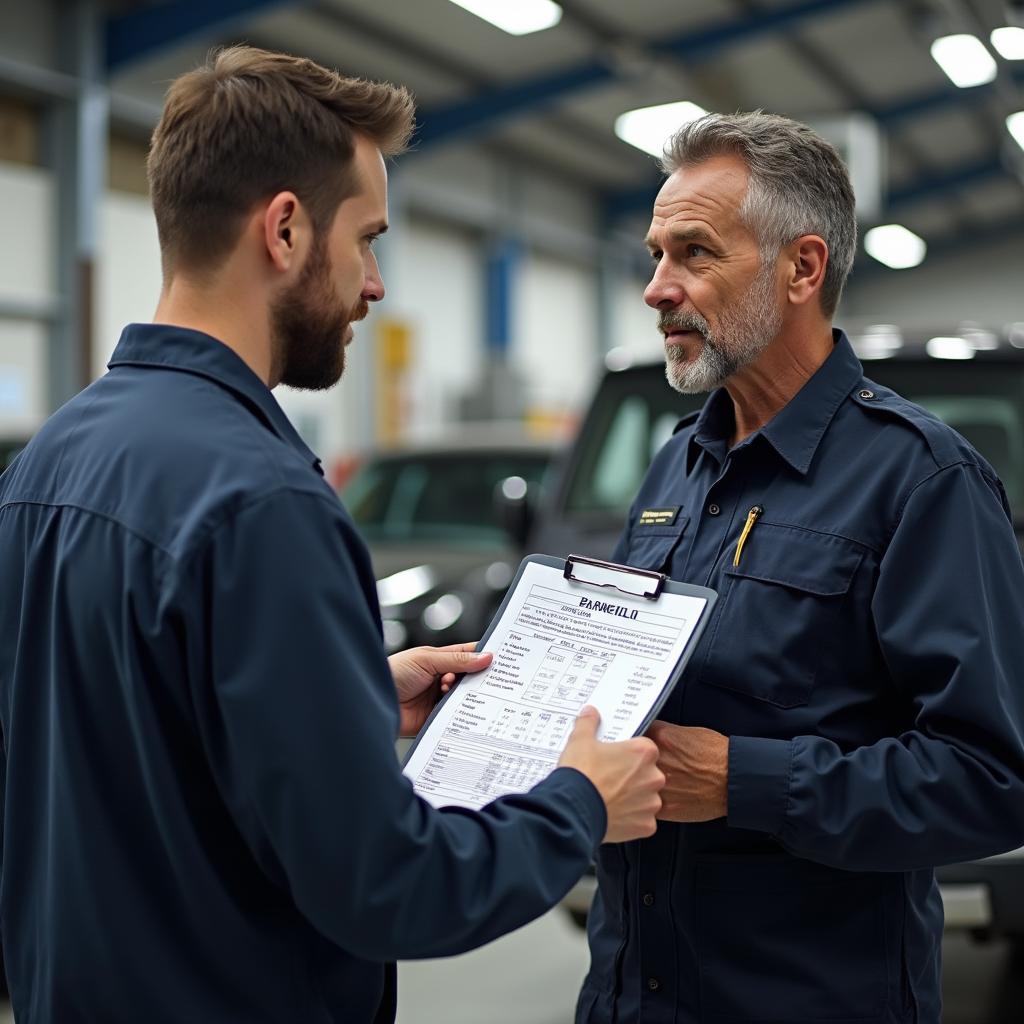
[(308, 325), (742, 334)]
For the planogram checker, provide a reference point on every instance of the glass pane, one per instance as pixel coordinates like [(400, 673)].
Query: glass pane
[(982, 401)]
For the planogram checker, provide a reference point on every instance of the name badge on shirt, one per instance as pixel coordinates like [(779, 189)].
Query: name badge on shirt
[(659, 516)]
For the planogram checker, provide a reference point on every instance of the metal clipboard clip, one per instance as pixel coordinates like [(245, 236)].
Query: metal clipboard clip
[(597, 573)]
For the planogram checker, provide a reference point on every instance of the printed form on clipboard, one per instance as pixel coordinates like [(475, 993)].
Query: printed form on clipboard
[(569, 633)]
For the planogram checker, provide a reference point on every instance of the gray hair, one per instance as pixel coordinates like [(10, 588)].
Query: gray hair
[(799, 185)]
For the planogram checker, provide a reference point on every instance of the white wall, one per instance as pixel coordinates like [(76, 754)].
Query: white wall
[(435, 279), (634, 323), (127, 273), (439, 292), (555, 331), (26, 275)]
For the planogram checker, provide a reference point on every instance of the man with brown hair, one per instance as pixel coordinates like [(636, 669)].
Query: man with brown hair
[(203, 817)]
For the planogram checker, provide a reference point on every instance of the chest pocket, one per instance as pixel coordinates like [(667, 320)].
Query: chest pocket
[(778, 610), (651, 547)]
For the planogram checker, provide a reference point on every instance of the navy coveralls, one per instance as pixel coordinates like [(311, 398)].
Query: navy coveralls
[(203, 816), (866, 658)]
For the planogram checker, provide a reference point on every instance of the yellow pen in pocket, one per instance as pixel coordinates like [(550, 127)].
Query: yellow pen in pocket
[(753, 515)]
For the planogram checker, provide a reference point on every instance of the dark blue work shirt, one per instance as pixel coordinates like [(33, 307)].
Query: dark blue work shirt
[(203, 815), (866, 659)]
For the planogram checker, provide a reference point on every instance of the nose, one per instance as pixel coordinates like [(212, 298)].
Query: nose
[(664, 291), (373, 283)]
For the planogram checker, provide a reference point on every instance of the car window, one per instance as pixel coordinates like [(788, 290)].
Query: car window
[(982, 401), (634, 416), (448, 498), (636, 411)]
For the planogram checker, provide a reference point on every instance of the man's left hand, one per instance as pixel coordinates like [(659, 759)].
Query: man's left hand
[(695, 763), (423, 674)]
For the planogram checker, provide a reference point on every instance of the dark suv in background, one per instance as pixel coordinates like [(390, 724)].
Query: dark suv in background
[(970, 377), (433, 518)]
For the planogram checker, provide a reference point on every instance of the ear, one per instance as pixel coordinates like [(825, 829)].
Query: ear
[(805, 268), (286, 231)]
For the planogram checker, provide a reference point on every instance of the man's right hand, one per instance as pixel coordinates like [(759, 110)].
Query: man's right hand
[(626, 774)]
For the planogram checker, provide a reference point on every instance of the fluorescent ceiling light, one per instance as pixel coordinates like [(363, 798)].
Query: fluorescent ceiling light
[(879, 341), (1015, 126), (649, 128), (1009, 42), (980, 339), (517, 18), (895, 246), (950, 348), (965, 60)]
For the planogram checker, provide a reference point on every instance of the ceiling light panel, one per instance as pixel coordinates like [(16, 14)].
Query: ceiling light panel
[(519, 18), (649, 128), (1015, 126), (895, 246), (964, 59), (1008, 42)]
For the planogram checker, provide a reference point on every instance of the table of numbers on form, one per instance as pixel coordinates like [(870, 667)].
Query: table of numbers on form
[(507, 735)]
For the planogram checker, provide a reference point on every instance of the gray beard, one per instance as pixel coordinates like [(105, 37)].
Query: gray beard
[(743, 333)]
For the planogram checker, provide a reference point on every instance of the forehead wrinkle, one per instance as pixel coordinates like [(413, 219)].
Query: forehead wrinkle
[(680, 232)]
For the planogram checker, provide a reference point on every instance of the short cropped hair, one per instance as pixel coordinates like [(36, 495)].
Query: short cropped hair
[(248, 124), (798, 185)]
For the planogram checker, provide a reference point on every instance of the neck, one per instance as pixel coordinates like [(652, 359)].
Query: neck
[(230, 312), (759, 390)]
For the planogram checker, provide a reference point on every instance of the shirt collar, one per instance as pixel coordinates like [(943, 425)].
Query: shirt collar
[(798, 427), (167, 347)]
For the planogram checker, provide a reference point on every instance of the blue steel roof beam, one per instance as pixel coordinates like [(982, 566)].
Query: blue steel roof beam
[(483, 112), (140, 33), (924, 103), (938, 184)]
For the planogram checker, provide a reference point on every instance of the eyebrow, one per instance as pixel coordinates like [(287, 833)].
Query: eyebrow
[(684, 235)]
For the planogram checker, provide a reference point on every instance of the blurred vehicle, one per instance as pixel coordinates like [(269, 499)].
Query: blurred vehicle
[(9, 448), (971, 378), (444, 526)]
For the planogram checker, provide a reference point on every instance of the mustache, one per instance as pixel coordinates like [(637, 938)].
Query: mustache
[(360, 311), (676, 320)]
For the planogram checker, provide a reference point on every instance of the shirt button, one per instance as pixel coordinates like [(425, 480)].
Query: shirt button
[(653, 984), (713, 509), (866, 394), (648, 899)]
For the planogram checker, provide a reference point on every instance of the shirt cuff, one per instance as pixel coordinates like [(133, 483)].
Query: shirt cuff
[(759, 778), (583, 796)]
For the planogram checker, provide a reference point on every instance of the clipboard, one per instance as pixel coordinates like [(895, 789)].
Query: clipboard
[(598, 583)]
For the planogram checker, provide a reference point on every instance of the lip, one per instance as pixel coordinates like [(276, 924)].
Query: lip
[(680, 335)]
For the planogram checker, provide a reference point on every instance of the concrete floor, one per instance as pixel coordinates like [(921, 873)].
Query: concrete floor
[(532, 976)]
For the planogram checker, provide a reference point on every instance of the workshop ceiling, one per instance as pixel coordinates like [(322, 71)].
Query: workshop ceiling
[(548, 101)]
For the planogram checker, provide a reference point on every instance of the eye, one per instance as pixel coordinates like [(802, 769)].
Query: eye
[(656, 255), (695, 251)]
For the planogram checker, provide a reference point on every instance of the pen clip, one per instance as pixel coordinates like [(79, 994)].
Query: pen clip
[(596, 572)]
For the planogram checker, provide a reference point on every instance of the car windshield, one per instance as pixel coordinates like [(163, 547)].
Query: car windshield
[(636, 415), (984, 402), (446, 497)]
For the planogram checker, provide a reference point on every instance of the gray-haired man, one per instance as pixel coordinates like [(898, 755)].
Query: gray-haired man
[(853, 716)]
